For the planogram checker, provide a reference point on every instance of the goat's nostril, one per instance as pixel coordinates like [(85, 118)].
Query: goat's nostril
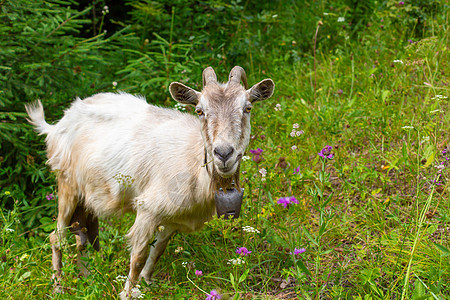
[(223, 153), (228, 153)]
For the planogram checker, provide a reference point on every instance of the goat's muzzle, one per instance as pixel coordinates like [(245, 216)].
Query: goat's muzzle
[(223, 153)]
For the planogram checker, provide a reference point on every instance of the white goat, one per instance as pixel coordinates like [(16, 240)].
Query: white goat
[(166, 153)]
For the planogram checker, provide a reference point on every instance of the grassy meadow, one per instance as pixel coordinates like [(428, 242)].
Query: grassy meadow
[(367, 218)]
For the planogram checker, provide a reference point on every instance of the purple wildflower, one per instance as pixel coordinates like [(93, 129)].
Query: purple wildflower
[(436, 182), (257, 157), (285, 201), (213, 295), (297, 170), (49, 197), (410, 41), (298, 251), (257, 151), (401, 3), (340, 91), (243, 251), (198, 273), (326, 152)]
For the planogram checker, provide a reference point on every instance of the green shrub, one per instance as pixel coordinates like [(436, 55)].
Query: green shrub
[(41, 56)]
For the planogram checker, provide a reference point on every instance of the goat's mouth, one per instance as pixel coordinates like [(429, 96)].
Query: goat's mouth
[(226, 171), (229, 169)]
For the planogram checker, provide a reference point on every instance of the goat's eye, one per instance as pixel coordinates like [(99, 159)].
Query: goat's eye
[(199, 111), (248, 109)]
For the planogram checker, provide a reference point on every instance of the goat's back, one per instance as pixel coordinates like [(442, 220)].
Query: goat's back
[(111, 147)]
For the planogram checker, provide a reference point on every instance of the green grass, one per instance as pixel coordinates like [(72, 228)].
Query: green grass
[(373, 221)]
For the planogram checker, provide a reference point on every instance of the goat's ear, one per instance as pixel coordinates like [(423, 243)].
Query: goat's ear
[(183, 94), (261, 91)]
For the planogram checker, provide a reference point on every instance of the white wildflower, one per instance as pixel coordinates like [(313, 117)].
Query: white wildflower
[(250, 229), (245, 157), (114, 83), (263, 172), (277, 107), (178, 250), (292, 133), (294, 148), (9, 230), (184, 264), (440, 167), (341, 19), (120, 278), (180, 107), (439, 97), (398, 61), (236, 261), (425, 139), (295, 132), (136, 293)]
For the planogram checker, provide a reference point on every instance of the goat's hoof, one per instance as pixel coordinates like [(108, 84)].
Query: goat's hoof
[(57, 288), (123, 295), (147, 279), (135, 293)]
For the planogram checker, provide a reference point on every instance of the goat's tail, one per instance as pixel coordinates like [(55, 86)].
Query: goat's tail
[(37, 118)]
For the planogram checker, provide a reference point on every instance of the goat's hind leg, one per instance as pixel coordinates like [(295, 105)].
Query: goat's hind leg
[(85, 227), (67, 204)]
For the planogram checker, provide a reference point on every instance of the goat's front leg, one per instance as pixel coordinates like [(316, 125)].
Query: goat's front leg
[(139, 237), (136, 265), (161, 240)]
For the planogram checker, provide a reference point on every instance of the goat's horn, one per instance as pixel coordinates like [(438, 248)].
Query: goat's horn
[(209, 76), (237, 74)]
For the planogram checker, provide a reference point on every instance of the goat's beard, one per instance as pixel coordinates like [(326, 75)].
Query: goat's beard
[(224, 183)]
